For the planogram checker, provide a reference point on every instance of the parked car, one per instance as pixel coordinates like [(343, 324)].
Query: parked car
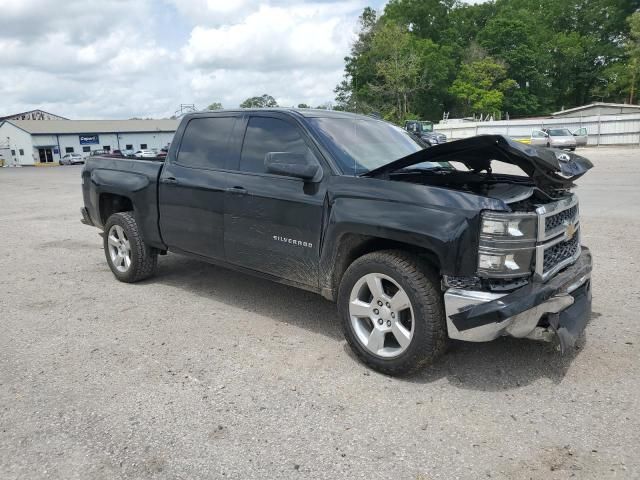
[(72, 159), (145, 154), (554, 138), (413, 250), (424, 131), (99, 152)]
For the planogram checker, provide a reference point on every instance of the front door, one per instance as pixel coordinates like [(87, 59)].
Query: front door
[(581, 137), (538, 137), (273, 223), (193, 184), (45, 155)]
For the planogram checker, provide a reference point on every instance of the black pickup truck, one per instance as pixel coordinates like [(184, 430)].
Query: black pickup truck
[(415, 245)]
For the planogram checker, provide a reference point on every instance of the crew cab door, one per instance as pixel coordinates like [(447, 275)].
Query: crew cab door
[(193, 185), (273, 222)]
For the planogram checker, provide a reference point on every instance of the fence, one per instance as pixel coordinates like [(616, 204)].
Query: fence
[(602, 129)]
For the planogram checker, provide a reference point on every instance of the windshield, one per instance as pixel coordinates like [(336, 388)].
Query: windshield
[(361, 145), (426, 127), (560, 132)]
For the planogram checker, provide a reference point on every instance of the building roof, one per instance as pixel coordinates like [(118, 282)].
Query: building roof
[(32, 113), (621, 106), (64, 127)]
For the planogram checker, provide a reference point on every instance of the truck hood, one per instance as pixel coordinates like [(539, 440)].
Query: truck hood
[(546, 167)]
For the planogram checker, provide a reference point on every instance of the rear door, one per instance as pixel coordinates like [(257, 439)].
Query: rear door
[(581, 137), (193, 184), (273, 223)]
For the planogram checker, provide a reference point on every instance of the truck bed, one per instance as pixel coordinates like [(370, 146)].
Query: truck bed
[(133, 178)]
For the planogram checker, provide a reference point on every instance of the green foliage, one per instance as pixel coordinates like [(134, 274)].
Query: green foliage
[(215, 106), (264, 101), (633, 50), (481, 86), (303, 105), (524, 57)]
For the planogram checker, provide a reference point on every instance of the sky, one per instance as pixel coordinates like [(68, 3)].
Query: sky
[(86, 59)]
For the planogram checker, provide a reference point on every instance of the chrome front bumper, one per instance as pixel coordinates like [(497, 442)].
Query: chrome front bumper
[(479, 316)]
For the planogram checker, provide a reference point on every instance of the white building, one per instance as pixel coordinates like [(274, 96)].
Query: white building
[(35, 142), (597, 108)]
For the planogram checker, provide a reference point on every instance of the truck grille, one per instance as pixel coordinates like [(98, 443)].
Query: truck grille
[(554, 221), (558, 236), (441, 138), (560, 252)]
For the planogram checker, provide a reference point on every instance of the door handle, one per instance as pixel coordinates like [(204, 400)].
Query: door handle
[(170, 180), (237, 190)]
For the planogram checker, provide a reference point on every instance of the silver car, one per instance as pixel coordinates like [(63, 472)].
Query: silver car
[(72, 159), (554, 138)]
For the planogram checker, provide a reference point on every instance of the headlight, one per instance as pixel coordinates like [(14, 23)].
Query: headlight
[(509, 226), (507, 244)]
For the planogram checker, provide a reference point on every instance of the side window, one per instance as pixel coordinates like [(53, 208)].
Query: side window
[(206, 142), (266, 135), (537, 134), (581, 131)]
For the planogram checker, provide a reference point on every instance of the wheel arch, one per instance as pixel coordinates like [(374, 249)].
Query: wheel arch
[(110, 203), (352, 246)]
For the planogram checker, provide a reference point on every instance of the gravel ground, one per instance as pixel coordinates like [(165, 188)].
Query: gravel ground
[(206, 373)]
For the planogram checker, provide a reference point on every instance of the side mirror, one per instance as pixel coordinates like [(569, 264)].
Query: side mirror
[(294, 165)]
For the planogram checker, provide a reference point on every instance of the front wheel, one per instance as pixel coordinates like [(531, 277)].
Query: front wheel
[(129, 258), (391, 310)]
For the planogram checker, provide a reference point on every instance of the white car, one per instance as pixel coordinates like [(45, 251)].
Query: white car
[(145, 154), (72, 159), (554, 138)]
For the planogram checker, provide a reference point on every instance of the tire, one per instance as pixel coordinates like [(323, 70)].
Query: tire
[(423, 320), (122, 240)]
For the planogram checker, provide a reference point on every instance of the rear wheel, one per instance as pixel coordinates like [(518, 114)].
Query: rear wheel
[(129, 258), (391, 310)]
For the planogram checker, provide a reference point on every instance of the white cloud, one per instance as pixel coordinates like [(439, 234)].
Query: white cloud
[(118, 58)]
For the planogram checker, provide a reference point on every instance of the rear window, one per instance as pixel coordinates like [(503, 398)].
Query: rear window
[(560, 132), (206, 142)]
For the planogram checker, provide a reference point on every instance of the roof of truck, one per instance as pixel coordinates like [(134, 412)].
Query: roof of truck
[(305, 112)]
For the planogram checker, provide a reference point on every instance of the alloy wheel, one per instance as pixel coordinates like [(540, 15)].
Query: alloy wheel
[(381, 315), (119, 248)]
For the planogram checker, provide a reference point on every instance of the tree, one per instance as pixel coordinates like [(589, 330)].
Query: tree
[(215, 106), (633, 50), (398, 68), (303, 105), (556, 53), (264, 101), (481, 85)]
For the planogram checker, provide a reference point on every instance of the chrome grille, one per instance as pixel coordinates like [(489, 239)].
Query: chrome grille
[(556, 254), (558, 236), (441, 138), (554, 221)]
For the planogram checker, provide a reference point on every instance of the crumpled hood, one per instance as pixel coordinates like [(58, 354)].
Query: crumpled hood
[(546, 167)]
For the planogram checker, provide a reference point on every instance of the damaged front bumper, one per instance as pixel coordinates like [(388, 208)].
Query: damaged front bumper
[(561, 306)]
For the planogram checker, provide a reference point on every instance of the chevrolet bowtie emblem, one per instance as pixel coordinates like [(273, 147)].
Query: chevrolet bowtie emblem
[(570, 231)]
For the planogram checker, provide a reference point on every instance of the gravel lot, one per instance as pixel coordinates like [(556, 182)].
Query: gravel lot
[(206, 373)]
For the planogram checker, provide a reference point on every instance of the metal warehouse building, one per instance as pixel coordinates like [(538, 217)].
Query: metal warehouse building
[(41, 142)]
